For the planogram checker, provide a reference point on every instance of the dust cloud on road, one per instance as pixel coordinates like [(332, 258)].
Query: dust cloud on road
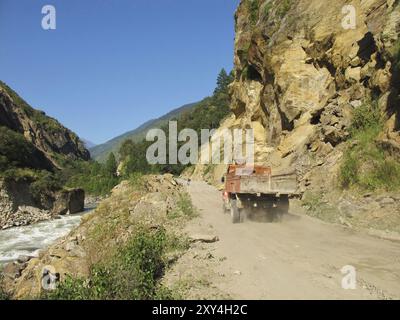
[(298, 258)]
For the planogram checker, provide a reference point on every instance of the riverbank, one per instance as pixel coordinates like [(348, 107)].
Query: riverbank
[(20, 205), (148, 212), (27, 241)]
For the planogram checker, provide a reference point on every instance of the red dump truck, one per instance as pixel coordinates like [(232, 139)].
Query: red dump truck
[(254, 190)]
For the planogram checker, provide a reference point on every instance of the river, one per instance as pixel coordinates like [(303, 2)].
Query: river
[(28, 240)]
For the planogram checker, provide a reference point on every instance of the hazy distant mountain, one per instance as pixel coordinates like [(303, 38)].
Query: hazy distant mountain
[(101, 151), (88, 144)]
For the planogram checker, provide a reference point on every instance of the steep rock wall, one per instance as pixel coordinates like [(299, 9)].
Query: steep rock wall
[(45, 133), (299, 76)]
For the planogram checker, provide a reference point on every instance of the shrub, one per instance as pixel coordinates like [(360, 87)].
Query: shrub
[(132, 274), (185, 205), (136, 180), (44, 183), (349, 171), (267, 9), (95, 178), (312, 201), (284, 8), (365, 165), (367, 119), (41, 182), (253, 8), (19, 174), (16, 151)]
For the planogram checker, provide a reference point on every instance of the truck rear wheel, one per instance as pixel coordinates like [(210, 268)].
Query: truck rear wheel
[(282, 207), (284, 204), (235, 212), (269, 210)]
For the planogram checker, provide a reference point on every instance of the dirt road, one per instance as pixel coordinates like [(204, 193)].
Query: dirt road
[(298, 258)]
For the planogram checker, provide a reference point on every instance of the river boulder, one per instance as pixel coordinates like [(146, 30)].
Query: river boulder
[(69, 202)]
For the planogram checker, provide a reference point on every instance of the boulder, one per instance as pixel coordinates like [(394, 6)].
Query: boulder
[(69, 202), (13, 270), (353, 74), (23, 259), (386, 201), (204, 238), (382, 78)]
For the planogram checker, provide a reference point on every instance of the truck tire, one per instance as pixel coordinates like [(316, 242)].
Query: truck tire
[(284, 204), (269, 211), (282, 208), (235, 212)]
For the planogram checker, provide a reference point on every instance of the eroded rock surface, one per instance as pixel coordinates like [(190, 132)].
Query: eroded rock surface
[(299, 78)]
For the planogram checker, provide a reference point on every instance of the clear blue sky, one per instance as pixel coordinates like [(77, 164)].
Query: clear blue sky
[(111, 65)]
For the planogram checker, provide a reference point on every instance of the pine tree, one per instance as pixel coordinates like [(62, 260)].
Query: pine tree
[(111, 164), (223, 80)]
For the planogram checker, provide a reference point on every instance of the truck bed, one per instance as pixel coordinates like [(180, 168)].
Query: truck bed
[(272, 183)]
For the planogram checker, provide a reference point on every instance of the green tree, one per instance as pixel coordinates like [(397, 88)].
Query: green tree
[(207, 114), (223, 80), (111, 164), (127, 148)]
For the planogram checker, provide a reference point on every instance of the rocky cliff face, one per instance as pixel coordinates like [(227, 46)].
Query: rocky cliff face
[(45, 133), (18, 206), (301, 74), (31, 140)]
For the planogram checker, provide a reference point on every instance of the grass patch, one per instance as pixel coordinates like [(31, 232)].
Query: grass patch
[(312, 201), (284, 8), (185, 205), (184, 208), (136, 180), (318, 208), (365, 165), (267, 9), (367, 121), (253, 7)]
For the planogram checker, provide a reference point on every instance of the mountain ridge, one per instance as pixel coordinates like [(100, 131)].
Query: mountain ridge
[(45, 133), (100, 152)]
